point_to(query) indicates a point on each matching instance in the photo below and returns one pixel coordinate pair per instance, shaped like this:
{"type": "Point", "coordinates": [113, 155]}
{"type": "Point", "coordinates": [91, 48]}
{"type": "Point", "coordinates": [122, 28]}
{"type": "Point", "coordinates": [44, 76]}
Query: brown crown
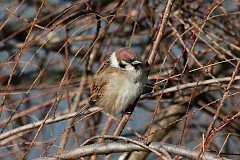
{"type": "Point", "coordinates": [126, 53]}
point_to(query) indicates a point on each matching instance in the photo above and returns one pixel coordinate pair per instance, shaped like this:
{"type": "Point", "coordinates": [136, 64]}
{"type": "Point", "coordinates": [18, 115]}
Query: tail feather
{"type": "Point", "coordinates": [86, 109]}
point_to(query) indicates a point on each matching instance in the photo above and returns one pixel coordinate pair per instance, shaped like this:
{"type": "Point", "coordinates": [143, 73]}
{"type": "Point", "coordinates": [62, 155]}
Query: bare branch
{"type": "Point", "coordinates": [118, 147]}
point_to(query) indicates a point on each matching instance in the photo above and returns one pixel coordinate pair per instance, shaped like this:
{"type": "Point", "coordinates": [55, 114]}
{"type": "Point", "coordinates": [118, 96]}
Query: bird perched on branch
{"type": "Point", "coordinates": [118, 82]}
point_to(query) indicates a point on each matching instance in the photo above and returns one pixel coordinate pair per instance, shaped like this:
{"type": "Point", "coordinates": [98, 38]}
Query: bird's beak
{"type": "Point", "coordinates": [134, 63]}
{"type": "Point", "coordinates": [137, 64]}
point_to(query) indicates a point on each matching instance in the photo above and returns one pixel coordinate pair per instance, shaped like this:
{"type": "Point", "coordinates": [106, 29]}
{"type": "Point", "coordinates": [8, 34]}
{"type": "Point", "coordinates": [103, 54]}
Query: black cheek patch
{"type": "Point", "coordinates": [122, 65]}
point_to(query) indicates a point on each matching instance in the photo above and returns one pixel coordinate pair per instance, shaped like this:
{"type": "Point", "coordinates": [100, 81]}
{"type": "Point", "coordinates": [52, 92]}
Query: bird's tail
{"type": "Point", "coordinates": [88, 109]}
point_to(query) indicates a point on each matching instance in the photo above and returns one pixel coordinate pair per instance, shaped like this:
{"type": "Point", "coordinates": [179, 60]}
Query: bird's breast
{"type": "Point", "coordinates": [120, 93]}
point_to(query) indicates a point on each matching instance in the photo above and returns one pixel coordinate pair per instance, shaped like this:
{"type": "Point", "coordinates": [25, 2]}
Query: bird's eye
{"type": "Point", "coordinates": [122, 65]}
{"type": "Point", "coordinates": [128, 60]}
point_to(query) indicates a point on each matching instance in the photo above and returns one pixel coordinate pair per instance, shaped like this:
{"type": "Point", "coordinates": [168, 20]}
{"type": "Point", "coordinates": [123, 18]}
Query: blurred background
{"type": "Point", "coordinates": [50, 49]}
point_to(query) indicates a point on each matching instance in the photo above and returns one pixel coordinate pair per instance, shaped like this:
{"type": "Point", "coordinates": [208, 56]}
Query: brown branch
{"type": "Point", "coordinates": [187, 85]}
{"type": "Point", "coordinates": [162, 26]}
{"type": "Point", "coordinates": [118, 147]}
{"type": "Point", "coordinates": [210, 127]}
{"type": "Point", "coordinates": [74, 108]}
{"type": "Point", "coordinates": [46, 122]}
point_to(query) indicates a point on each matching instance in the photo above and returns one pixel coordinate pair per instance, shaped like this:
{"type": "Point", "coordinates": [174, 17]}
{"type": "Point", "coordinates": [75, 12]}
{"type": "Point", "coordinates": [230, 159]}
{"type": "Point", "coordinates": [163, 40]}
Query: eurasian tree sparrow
{"type": "Point", "coordinates": [118, 82]}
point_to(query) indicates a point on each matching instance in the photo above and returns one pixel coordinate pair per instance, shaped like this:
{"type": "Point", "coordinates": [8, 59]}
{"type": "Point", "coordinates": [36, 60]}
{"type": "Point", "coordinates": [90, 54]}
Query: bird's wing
{"type": "Point", "coordinates": [99, 83]}
{"type": "Point", "coordinates": [103, 67]}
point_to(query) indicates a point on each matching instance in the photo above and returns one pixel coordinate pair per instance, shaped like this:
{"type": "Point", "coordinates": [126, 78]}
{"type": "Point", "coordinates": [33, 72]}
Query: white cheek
{"type": "Point", "coordinates": [129, 67]}
{"type": "Point", "coordinates": [113, 60]}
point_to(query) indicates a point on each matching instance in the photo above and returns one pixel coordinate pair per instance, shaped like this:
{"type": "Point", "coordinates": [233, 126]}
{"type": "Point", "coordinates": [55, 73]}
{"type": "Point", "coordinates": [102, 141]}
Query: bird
{"type": "Point", "coordinates": [118, 82]}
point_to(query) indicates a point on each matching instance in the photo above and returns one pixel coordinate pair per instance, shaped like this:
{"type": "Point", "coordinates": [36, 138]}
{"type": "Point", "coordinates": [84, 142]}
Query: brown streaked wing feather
{"type": "Point", "coordinates": [97, 93]}
{"type": "Point", "coordinates": [98, 88]}
{"type": "Point", "coordinates": [104, 65]}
